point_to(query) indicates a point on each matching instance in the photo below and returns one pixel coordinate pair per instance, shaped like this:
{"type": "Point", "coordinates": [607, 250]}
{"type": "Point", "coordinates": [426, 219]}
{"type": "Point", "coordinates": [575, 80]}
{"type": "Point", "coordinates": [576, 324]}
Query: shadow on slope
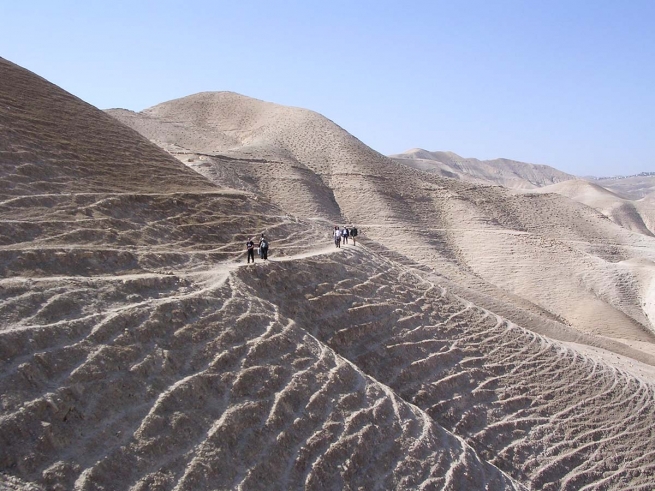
{"type": "Point", "coordinates": [52, 142]}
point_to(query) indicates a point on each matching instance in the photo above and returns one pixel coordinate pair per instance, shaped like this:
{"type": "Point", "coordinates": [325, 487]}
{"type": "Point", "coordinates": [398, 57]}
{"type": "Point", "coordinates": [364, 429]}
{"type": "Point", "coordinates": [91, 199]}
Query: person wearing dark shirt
{"type": "Point", "coordinates": [250, 246]}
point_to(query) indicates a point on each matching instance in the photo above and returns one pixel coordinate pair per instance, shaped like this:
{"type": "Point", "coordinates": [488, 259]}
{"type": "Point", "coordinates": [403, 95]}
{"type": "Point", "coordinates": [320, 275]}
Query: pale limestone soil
{"type": "Point", "coordinates": [196, 383]}
{"type": "Point", "coordinates": [503, 172]}
{"type": "Point", "coordinates": [635, 215]}
{"type": "Point", "coordinates": [556, 257]}
{"type": "Point", "coordinates": [104, 234]}
{"type": "Point", "coordinates": [525, 256]}
{"type": "Point", "coordinates": [53, 142]}
{"type": "Point", "coordinates": [545, 413]}
{"type": "Point", "coordinates": [133, 356]}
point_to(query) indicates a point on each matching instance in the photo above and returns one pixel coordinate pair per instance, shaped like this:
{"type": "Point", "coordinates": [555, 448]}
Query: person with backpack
{"type": "Point", "coordinates": [263, 248]}
{"type": "Point", "coordinates": [353, 233]}
{"type": "Point", "coordinates": [250, 247]}
{"type": "Point", "coordinates": [259, 247]}
{"type": "Point", "coordinates": [344, 234]}
{"type": "Point", "coordinates": [337, 236]}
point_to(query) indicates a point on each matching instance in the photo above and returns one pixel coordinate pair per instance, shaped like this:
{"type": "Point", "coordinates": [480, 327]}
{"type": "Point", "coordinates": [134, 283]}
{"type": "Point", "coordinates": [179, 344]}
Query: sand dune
{"type": "Point", "coordinates": [503, 172]}
{"type": "Point", "coordinates": [139, 351]}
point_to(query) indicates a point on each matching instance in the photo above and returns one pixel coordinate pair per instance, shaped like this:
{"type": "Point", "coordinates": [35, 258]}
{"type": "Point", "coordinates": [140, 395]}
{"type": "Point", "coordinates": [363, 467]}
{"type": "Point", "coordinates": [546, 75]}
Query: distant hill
{"type": "Point", "coordinates": [635, 215]}
{"type": "Point", "coordinates": [640, 174]}
{"type": "Point", "coordinates": [630, 187]}
{"type": "Point", "coordinates": [503, 172]}
{"type": "Point", "coordinates": [614, 197]}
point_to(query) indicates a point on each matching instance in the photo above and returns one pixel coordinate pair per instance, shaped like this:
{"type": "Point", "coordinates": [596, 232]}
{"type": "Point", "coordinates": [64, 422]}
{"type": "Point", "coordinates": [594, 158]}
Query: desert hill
{"type": "Point", "coordinates": [492, 245]}
{"type": "Point", "coordinates": [637, 215]}
{"type": "Point", "coordinates": [51, 141]}
{"type": "Point", "coordinates": [121, 298]}
{"type": "Point", "coordinates": [139, 351]}
{"type": "Point", "coordinates": [623, 208]}
{"type": "Point", "coordinates": [289, 154]}
{"type": "Point", "coordinates": [503, 172]}
{"type": "Point", "coordinates": [630, 187]}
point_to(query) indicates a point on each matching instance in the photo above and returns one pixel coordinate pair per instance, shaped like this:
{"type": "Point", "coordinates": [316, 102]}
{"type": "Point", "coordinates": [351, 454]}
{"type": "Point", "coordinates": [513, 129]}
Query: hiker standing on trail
{"type": "Point", "coordinates": [250, 247]}
{"type": "Point", "coordinates": [337, 236]}
{"type": "Point", "coordinates": [263, 248]}
{"type": "Point", "coordinates": [353, 233]}
{"type": "Point", "coordinates": [344, 235]}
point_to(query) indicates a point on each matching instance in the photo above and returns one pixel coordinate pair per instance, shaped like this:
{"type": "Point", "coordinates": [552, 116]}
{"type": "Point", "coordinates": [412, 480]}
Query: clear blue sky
{"type": "Point", "coordinates": [568, 83]}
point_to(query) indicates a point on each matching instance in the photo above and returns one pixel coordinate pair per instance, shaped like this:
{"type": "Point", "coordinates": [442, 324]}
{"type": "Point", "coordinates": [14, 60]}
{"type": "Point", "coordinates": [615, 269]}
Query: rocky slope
{"type": "Point", "coordinates": [51, 141]}
{"type": "Point", "coordinates": [139, 351]}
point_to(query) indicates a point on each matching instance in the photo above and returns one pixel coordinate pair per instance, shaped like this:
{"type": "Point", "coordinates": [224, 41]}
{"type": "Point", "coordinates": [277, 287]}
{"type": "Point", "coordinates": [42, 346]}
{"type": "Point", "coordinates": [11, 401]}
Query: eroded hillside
{"type": "Point", "coordinates": [528, 257]}
{"type": "Point", "coordinates": [53, 142]}
{"type": "Point", "coordinates": [139, 351]}
{"type": "Point", "coordinates": [636, 215]}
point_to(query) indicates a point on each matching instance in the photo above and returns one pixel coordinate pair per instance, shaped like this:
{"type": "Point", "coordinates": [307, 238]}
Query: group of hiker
{"type": "Point", "coordinates": [262, 249]}
{"type": "Point", "coordinates": [342, 234]}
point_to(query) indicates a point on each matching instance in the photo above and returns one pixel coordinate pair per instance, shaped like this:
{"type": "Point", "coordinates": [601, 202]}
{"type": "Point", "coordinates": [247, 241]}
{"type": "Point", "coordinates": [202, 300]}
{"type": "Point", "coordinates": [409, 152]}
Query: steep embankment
{"type": "Point", "coordinates": [53, 142]}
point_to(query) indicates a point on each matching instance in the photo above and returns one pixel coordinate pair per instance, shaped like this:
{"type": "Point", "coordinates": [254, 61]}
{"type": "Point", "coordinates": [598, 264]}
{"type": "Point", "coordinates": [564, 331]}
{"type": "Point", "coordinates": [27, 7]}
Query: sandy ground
{"type": "Point", "coordinates": [464, 343]}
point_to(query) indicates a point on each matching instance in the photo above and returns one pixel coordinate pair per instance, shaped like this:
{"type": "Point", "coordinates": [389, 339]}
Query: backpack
{"type": "Point", "coordinates": [264, 244]}
{"type": "Point", "coordinates": [353, 232]}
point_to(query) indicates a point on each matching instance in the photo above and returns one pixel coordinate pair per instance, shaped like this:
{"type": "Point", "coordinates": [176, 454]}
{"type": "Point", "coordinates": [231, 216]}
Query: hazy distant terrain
{"type": "Point", "coordinates": [502, 172]}
{"type": "Point", "coordinates": [627, 208]}
{"type": "Point", "coordinates": [631, 187]}
{"type": "Point", "coordinates": [635, 215]}
{"type": "Point", "coordinates": [475, 338]}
